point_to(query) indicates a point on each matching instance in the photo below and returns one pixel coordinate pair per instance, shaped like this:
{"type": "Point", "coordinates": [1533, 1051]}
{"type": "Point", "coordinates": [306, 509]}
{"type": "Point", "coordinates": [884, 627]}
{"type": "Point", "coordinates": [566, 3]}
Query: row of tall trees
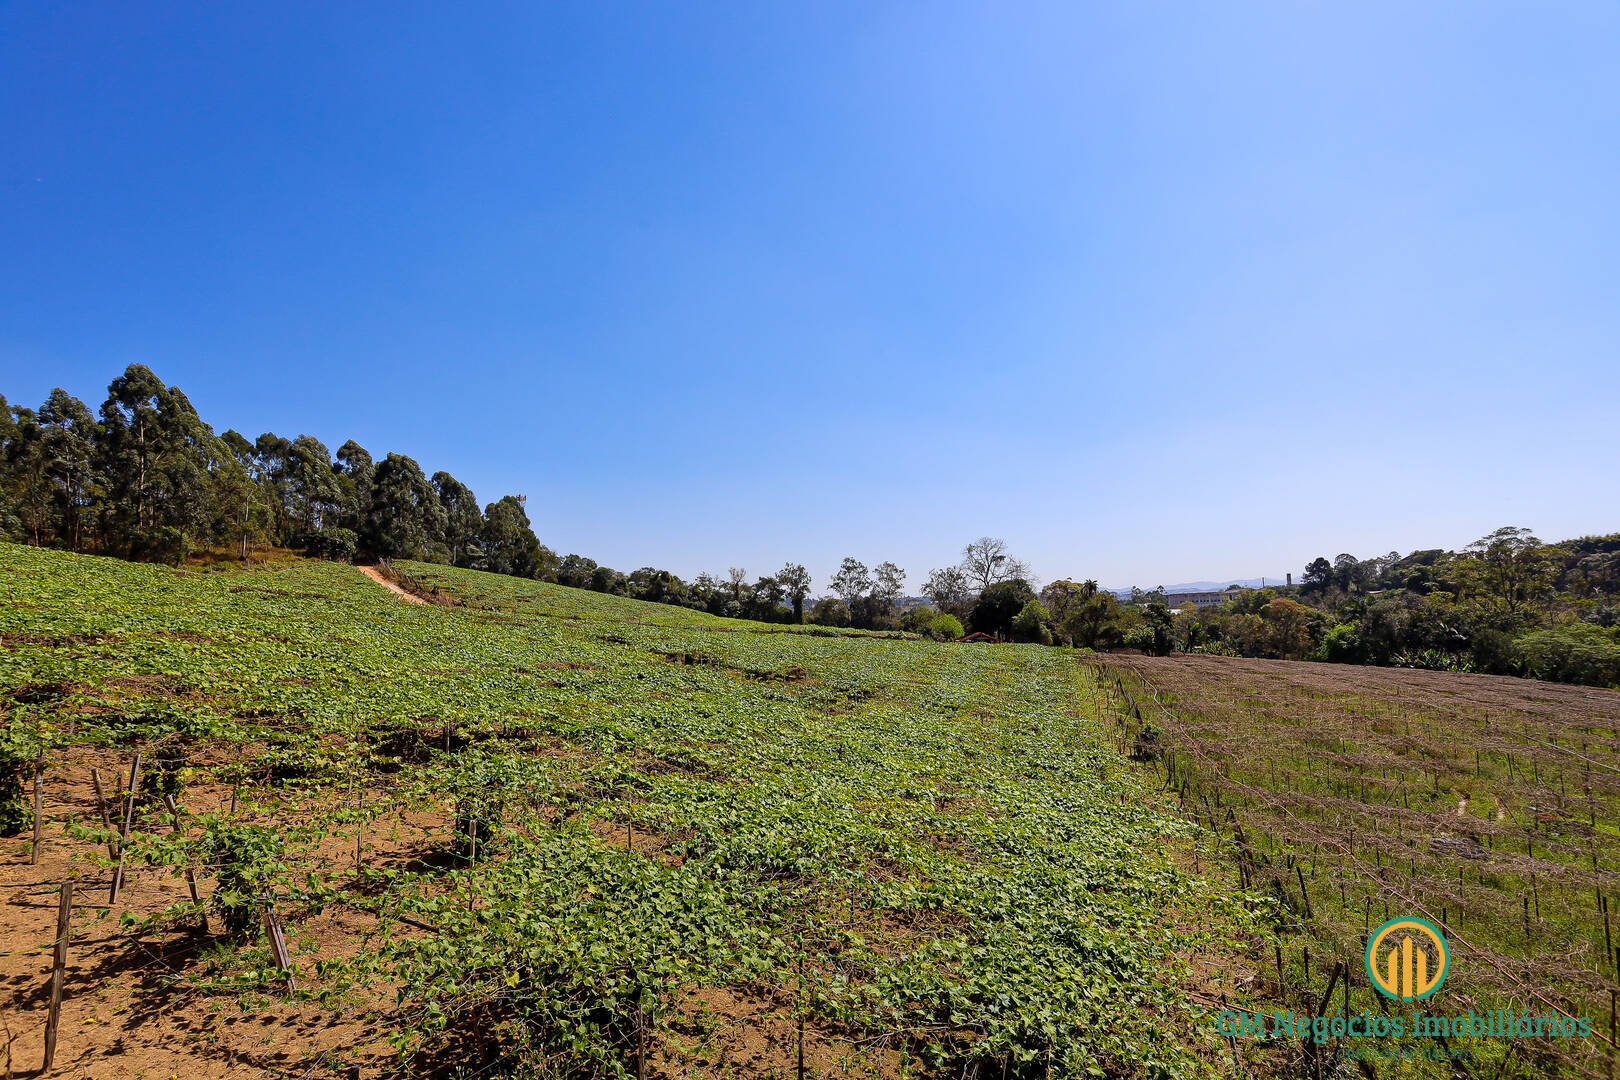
{"type": "Point", "coordinates": [147, 478]}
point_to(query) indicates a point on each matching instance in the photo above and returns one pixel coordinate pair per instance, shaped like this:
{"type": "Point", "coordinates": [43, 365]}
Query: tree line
{"type": "Point", "coordinates": [1507, 604]}
{"type": "Point", "coordinates": [146, 478]}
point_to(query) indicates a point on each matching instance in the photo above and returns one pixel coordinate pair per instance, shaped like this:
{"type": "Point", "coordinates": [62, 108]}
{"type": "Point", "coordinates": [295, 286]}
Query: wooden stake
{"type": "Point", "coordinates": [106, 821]}
{"type": "Point", "coordinates": [191, 873]}
{"type": "Point", "coordinates": [278, 943]}
{"type": "Point", "coordinates": [39, 806]}
{"type": "Point", "coordinates": [64, 914]}
{"type": "Point", "coordinates": [641, 1043]}
{"type": "Point", "coordinates": [129, 823]}
{"type": "Point", "coordinates": [1611, 1032]}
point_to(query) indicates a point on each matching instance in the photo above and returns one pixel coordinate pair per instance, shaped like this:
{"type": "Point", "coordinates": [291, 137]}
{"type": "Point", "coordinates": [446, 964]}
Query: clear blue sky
{"type": "Point", "coordinates": [1157, 292]}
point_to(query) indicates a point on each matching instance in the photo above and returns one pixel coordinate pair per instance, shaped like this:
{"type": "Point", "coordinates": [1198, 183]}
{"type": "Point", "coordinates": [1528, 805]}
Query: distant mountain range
{"type": "Point", "coordinates": [1210, 586]}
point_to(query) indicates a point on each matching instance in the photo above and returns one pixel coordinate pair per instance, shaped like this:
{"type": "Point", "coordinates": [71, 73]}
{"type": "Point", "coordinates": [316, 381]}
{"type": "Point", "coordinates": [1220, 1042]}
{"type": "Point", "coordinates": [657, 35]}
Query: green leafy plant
{"type": "Point", "coordinates": [247, 859]}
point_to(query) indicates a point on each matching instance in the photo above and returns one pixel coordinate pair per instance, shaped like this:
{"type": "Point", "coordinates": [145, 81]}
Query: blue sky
{"type": "Point", "coordinates": [1156, 292]}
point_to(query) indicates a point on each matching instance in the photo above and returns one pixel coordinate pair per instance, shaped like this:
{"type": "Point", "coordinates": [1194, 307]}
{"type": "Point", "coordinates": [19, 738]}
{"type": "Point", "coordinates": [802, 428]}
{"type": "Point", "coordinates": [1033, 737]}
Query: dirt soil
{"type": "Point", "coordinates": [126, 1011]}
{"type": "Point", "coordinates": [376, 575]}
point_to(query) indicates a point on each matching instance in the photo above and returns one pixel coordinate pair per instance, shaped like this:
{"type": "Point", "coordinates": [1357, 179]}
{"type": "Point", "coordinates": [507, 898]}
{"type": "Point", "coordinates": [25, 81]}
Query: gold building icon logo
{"type": "Point", "coordinates": [1407, 959]}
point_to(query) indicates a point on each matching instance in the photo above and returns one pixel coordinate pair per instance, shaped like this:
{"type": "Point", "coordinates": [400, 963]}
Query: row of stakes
{"type": "Point", "coordinates": [117, 848]}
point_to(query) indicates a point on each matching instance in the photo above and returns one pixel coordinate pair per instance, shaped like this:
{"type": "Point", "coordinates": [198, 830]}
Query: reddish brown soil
{"type": "Point", "coordinates": [127, 1010]}
{"type": "Point", "coordinates": [376, 575]}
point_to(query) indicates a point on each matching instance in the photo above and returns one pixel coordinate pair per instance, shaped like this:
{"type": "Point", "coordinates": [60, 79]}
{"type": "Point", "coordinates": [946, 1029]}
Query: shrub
{"type": "Point", "coordinates": [917, 619]}
{"type": "Point", "coordinates": [438, 554]}
{"type": "Point", "coordinates": [999, 605]}
{"type": "Point", "coordinates": [165, 772]}
{"type": "Point", "coordinates": [1342, 645]}
{"type": "Point", "coordinates": [1579, 654]}
{"type": "Point", "coordinates": [339, 544]}
{"type": "Point", "coordinates": [247, 858]}
{"type": "Point", "coordinates": [15, 757]}
{"type": "Point", "coordinates": [1493, 652]}
{"type": "Point", "coordinates": [944, 627]}
{"type": "Point", "coordinates": [1030, 624]}
{"type": "Point", "coordinates": [1139, 637]}
{"type": "Point", "coordinates": [830, 612]}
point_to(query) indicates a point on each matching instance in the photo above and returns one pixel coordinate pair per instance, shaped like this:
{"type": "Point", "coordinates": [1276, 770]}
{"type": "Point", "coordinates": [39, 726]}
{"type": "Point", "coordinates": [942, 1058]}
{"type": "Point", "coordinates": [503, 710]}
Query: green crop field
{"type": "Point", "coordinates": [543, 831]}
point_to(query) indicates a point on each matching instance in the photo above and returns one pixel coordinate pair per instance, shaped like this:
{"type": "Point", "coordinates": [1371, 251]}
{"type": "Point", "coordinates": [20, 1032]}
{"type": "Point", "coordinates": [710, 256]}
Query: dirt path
{"type": "Point", "coordinates": [375, 575]}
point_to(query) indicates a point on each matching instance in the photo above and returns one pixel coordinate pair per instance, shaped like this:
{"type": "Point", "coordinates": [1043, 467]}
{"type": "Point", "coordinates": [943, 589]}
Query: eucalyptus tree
{"type": "Point", "coordinates": [949, 590]}
{"type": "Point", "coordinates": [8, 433]}
{"type": "Point", "coordinates": [355, 464]}
{"type": "Point", "coordinates": [795, 582]}
{"type": "Point", "coordinates": [852, 581]}
{"type": "Point", "coordinates": [316, 497]}
{"type": "Point", "coordinates": [405, 514]}
{"type": "Point", "coordinates": [69, 433]}
{"type": "Point", "coordinates": [27, 476]}
{"type": "Point", "coordinates": [156, 454]}
{"type": "Point", "coordinates": [507, 544]}
{"type": "Point", "coordinates": [241, 497]}
{"type": "Point", "coordinates": [888, 582]}
{"type": "Point", "coordinates": [463, 521]}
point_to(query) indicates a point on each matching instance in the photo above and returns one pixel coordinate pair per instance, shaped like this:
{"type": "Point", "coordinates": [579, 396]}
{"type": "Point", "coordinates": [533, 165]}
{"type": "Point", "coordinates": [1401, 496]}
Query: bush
{"type": "Point", "coordinates": [1493, 652]}
{"type": "Point", "coordinates": [339, 544]}
{"type": "Point", "coordinates": [164, 544]}
{"type": "Point", "coordinates": [1342, 646]}
{"type": "Point", "coordinates": [944, 627]}
{"type": "Point", "coordinates": [999, 605]}
{"type": "Point", "coordinates": [438, 554]}
{"type": "Point", "coordinates": [1030, 624]}
{"type": "Point", "coordinates": [917, 619]}
{"type": "Point", "coordinates": [830, 612]}
{"type": "Point", "coordinates": [1139, 637]}
{"type": "Point", "coordinates": [16, 756]}
{"type": "Point", "coordinates": [1578, 654]}
{"type": "Point", "coordinates": [247, 858]}
{"type": "Point", "coordinates": [165, 773]}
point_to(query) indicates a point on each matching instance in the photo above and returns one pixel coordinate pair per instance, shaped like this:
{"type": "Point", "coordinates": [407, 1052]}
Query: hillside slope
{"type": "Point", "coordinates": [555, 828]}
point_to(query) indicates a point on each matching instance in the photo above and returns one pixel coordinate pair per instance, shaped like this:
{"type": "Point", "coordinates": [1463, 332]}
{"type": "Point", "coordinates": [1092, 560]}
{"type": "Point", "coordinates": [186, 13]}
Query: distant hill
{"type": "Point", "coordinates": [1210, 586]}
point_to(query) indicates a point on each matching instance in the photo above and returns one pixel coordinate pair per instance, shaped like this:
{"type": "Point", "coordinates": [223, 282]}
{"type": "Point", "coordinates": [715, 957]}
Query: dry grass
{"type": "Point", "coordinates": [1487, 804]}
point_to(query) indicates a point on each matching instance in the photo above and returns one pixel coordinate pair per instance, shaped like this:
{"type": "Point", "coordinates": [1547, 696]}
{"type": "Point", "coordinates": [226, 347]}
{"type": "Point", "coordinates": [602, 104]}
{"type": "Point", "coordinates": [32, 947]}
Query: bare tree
{"type": "Point", "coordinates": [1018, 568]}
{"type": "Point", "coordinates": [738, 577]}
{"type": "Point", "coordinates": [985, 562]}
